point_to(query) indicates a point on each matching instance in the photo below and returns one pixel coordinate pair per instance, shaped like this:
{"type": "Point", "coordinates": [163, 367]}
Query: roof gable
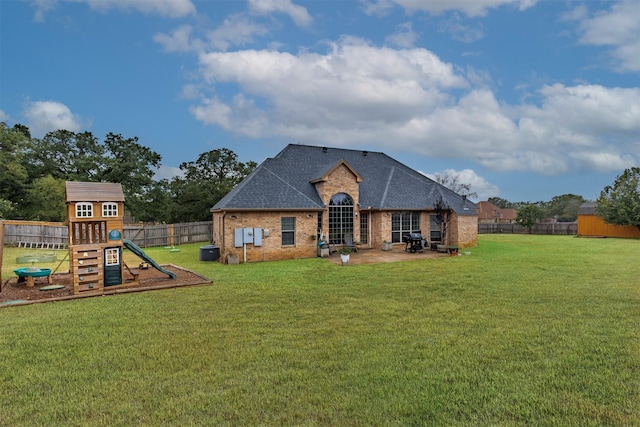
{"type": "Point", "coordinates": [327, 170]}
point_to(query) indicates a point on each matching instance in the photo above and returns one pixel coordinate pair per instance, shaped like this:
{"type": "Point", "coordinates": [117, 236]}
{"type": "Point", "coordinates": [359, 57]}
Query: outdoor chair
{"type": "Point", "coordinates": [348, 242]}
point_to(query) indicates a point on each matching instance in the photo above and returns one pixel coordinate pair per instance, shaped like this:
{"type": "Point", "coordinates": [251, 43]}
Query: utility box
{"type": "Point", "coordinates": [209, 253]}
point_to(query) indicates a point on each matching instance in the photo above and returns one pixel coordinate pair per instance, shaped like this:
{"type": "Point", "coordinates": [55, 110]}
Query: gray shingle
{"type": "Point", "coordinates": [284, 182]}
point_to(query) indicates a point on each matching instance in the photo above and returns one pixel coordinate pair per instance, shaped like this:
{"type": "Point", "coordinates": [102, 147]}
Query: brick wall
{"type": "Point", "coordinates": [270, 222]}
{"type": "Point", "coordinates": [463, 230]}
{"type": "Point", "coordinates": [342, 179]}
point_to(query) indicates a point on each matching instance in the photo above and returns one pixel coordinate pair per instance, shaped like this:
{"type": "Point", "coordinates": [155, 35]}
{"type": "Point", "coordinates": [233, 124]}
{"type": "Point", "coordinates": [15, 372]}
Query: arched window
{"type": "Point", "coordinates": [340, 217]}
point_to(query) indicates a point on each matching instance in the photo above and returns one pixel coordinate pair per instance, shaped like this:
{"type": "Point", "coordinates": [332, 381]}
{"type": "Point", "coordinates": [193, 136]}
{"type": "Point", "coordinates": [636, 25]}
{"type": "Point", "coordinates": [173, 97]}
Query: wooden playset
{"type": "Point", "coordinates": [95, 212]}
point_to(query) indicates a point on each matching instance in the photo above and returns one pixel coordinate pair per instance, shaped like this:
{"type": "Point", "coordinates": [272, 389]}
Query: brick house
{"type": "Point", "coordinates": [488, 213]}
{"type": "Point", "coordinates": [307, 193]}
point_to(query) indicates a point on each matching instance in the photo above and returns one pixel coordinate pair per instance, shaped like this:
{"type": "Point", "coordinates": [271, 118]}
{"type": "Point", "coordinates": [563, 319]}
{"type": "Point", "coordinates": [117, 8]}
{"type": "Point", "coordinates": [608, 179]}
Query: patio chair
{"type": "Point", "coordinates": [348, 242]}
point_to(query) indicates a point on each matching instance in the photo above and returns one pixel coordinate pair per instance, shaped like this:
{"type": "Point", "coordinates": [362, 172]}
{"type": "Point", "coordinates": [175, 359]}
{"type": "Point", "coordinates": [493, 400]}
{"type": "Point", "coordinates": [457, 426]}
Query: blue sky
{"type": "Point", "coordinates": [524, 100]}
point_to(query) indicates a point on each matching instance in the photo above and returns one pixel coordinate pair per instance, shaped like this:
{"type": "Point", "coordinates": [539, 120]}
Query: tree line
{"type": "Point", "coordinates": [562, 208]}
{"type": "Point", "coordinates": [617, 204]}
{"type": "Point", "coordinates": [33, 172]}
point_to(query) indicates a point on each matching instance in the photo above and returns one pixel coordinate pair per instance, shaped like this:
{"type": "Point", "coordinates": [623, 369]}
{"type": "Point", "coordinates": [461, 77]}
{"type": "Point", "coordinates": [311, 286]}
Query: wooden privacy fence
{"type": "Point", "coordinates": [570, 228]}
{"type": "Point", "coordinates": [55, 235]}
{"type": "Point", "coordinates": [36, 234]}
{"type": "Point", "coordinates": [169, 234]}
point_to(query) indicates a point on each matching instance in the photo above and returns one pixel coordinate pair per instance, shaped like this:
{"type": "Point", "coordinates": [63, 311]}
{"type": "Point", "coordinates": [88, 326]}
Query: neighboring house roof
{"type": "Point", "coordinates": [587, 208]}
{"type": "Point", "coordinates": [94, 192]}
{"type": "Point", "coordinates": [487, 210]}
{"type": "Point", "coordinates": [287, 182]}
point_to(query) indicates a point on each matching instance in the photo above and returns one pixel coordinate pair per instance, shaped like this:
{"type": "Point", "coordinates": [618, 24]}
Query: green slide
{"type": "Point", "coordinates": [140, 253]}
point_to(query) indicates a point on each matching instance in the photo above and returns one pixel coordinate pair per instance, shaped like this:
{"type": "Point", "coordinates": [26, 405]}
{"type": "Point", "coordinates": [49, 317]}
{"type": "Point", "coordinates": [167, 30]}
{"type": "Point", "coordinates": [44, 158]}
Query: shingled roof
{"type": "Point", "coordinates": [94, 192]}
{"type": "Point", "coordinates": [587, 208]}
{"type": "Point", "coordinates": [285, 182]}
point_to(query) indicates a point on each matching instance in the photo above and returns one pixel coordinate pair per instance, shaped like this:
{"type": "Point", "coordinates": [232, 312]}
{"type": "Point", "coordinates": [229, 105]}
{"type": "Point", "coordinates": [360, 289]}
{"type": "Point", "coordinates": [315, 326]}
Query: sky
{"type": "Point", "coordinates": [522, 100]}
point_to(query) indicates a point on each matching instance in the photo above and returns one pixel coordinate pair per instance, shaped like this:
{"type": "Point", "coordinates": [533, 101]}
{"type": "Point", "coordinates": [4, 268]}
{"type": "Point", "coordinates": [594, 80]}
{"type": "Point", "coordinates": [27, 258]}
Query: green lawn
{"type": "Point", "coordinates": [527, 330]}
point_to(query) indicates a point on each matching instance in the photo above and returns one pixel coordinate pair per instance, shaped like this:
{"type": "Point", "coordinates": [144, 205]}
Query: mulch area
{"type": "Point", "coordinates": [14, 293]}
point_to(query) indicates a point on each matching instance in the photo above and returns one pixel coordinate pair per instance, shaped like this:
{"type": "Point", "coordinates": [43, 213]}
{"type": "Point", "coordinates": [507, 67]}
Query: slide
{"type": "Point", "coordinates": [140, 253]}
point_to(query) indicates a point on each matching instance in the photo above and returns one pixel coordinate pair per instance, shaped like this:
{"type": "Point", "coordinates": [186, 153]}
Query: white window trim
{"type": "Point", "coordinates": [84, 213]}
{"type": "Point", "coordinates": [108, 253]}
{"type": "Point", "coordinates": [292, 231]}
{"type": "Point", "coordinates": [112, 212]}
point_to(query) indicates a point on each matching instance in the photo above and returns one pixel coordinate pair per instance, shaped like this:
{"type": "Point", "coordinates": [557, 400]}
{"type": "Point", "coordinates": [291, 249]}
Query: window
{"type": "Point", "coordinates": [364, 227]}
{"type": "Point", "coordinates": [288, 225]}
{"type": "Point", "coordinates": [84, 210]}
{"type": "Point", "coordinates": [340, 218]}
{"type": "Point", "coordinates": [434, 226]}
{"type": "Point", "coordinates": [404, 223]}
{"type": "Point", "coordinates": [112, 256]}
{"type": "Point", "coordinates": [109, 209]}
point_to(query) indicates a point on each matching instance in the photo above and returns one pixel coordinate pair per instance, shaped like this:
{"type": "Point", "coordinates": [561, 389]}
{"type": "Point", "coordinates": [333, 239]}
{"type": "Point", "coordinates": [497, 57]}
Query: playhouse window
{"type": "Point", "coordinates": [88, 232]}
{"type": "Point", "coordinates": [109, 209]}
{"type": "Point", "coordinates": [288, 231]}
{"type": "Point", "coordinates": [84, 210]}
{"type": "Point", "coordinates": [112, 256]}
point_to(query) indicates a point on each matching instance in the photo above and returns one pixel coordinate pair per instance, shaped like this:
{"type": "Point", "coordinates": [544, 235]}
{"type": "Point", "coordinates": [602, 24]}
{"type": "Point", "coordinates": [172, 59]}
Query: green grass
{"type": "Point", "coordinates": [527, 330]}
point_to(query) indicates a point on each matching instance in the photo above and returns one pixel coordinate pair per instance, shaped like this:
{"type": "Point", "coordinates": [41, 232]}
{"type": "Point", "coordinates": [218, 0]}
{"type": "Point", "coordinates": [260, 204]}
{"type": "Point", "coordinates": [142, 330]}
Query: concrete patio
{"type": "Point", "coordinates": [373, 256]}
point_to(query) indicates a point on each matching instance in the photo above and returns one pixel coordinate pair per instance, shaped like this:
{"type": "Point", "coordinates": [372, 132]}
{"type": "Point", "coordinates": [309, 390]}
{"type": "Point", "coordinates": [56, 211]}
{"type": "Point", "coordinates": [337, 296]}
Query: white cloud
{"type": "Point", "coordinates": [42, 8]}
{"type": "Point", "coordinates": [190, 91]}
{"type": "Point", "coordinates": [356, 94]}
{"type": "Point", "coordinates": [345, 91]}
{"type": "Point", "coordinates": [618, 27]}
{"type": "Point", "coordinates": [3, 116]}
{"type": "Point", "coordinates": [47, 116]}
{"type": "Point", "coordinates": [483, 188]}
{"type": "Point", "coordinates": [169, 8]}
{"type": "Point", "coordinates": [236, 30]}
{"type": "Point", "coordinates": [298, 14]}
{"type": "Point", "coordinates": [179, 40]}
{"type": "Point", "coordinates": [470, 8]}
{"type": "Point", "coordinates": [377, 7]}
{"type": "Point", "coordinates": [462, 32]}
{"type": "Point", "coordinates": [603, 161]}
{"type": "Point", "coordinates": [404, 37]}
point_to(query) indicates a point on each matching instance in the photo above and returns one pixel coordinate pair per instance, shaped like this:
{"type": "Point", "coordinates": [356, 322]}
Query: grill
{"type": "Point", "coordinates": [414, 242]}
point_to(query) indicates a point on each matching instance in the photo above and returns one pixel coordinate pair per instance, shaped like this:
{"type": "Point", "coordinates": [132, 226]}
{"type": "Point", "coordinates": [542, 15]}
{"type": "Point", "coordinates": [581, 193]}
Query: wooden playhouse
{"type": "Point", "coordinates": [95, 212]}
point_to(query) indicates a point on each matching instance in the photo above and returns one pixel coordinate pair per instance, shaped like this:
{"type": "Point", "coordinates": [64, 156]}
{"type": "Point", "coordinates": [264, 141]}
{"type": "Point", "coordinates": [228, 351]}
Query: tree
{"type": "Point", "coordinates": [529, 215]}
{"type": "Point", "coordinates": [451, 180]}
{"type": "Point", "coordinates": [157, 204]}
{"type": "Point", "coordinates": [619, 204]}
{"type": "Point", "coordinates": [6, 208]}
{"type": "Point", "coordinates": [13, 173]}
{"type": "Point", "coordinates": [501, 203]}
{"type": "Point", "coordinates": [67, 155]}
{"type": "Point", "coordinates": [443, 214]}
{"type": "Point", "coordinates": [45, 200]}
{"type": "Point", "coordinates": [564, 208]}
{"type": "Point", "coordinates": [205, 182]}
{"type": "Point", "coordinates": [133, 165]}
